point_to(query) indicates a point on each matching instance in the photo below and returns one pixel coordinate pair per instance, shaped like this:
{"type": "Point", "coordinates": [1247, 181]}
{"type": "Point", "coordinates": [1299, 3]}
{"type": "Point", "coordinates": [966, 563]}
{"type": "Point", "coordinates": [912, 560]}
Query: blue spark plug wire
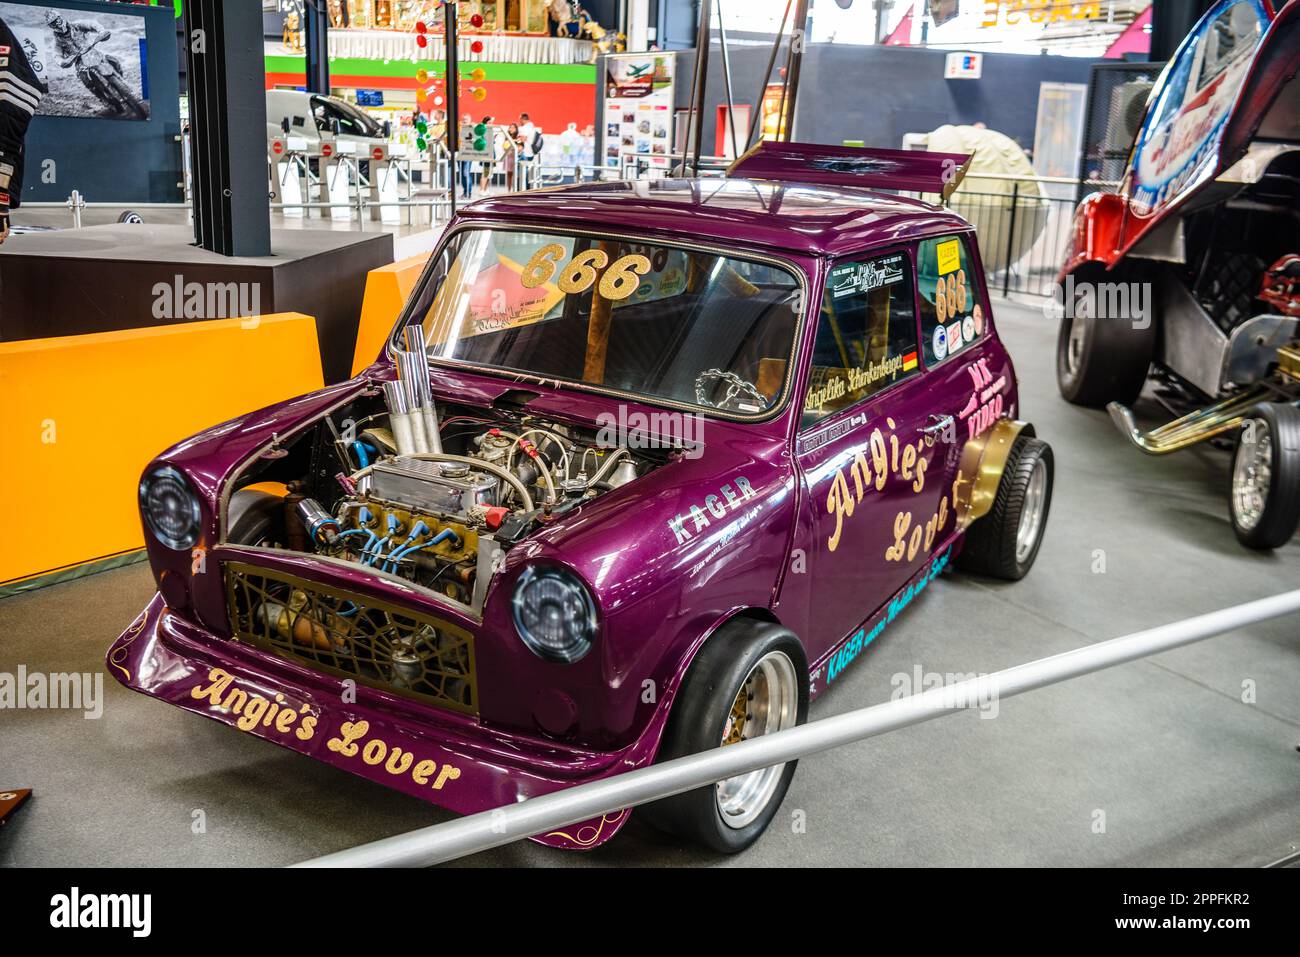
{"type": "Point", "coordinates": [420, 529]}
{"type": "Point", "coordinates": [399, 554]}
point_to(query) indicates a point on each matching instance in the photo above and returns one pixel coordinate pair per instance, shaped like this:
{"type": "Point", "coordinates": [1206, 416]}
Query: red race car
{"type": "Point", "coordinates": [1190, 273]}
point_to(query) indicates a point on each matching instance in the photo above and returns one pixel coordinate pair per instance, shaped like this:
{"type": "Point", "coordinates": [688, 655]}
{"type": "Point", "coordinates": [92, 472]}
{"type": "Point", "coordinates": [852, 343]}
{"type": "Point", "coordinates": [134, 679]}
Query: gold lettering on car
{"type": "Point", "coordinates": [352, 741]}
{"type": "Point", "coordinates": [396, 761]}
{"type": "Point", "coordinates": [584, 270]}
{"type": "Point", "coordinates": [885, 457]}
{"type": "Point", "coordinates": [255, 709]}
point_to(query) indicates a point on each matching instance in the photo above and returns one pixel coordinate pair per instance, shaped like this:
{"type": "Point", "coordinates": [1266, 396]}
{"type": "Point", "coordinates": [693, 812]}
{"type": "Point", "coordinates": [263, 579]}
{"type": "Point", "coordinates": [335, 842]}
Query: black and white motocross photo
{"type": "Point", "coordinates": [93, 63]}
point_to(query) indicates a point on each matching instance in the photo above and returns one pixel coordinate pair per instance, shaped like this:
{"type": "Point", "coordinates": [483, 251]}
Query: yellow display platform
{"type": "Point", "coordinates": [387, 289]}
{"type": "Point", "coordinates": [82, 415]}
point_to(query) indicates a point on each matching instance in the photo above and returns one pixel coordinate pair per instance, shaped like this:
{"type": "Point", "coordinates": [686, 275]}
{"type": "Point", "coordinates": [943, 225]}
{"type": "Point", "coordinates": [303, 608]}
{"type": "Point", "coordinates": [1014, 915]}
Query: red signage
{"type": "Point", "coordinates": [277, 147]}
{"type": "Point", "coordinates": [377, 153]}
{"type": "Point", "coordinates": [326, 149]}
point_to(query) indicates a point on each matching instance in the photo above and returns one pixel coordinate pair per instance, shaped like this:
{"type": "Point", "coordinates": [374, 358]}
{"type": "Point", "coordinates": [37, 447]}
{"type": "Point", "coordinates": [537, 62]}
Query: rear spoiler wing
{"type": "Point", "coordinates": [913, 170]}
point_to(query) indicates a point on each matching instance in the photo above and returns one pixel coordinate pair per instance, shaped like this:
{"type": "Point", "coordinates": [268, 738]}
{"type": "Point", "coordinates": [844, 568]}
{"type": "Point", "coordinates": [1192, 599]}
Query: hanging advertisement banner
{"type": "Point", "coordinates": [638, 113]}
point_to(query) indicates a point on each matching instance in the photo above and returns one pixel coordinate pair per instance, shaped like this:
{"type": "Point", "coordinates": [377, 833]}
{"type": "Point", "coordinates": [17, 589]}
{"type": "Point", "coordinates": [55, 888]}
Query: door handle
{"type": "Point", "coordinates": [938, 423]}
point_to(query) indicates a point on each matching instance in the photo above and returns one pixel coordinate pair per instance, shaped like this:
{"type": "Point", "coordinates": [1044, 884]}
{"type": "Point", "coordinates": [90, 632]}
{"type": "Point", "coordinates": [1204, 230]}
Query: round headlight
{"type": "Point", "coordinates": [554, 614]}
{"type": "Point", "coordinates": [170, 509]}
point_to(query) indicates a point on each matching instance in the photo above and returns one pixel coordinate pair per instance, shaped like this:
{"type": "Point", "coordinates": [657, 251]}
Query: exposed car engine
{"type": "Point", "coordinates": [431, 493]}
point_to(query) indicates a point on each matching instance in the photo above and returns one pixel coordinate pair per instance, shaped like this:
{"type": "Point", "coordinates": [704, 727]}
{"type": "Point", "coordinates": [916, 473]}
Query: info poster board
{"type": "Point", "coordinates": [105, 53]}
{"type": "Point", "coordinates": [638, 112]}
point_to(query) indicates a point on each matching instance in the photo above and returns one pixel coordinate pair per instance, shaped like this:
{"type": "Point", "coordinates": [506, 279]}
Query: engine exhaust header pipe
{"type": "Point", "coordinates": [413, 375]}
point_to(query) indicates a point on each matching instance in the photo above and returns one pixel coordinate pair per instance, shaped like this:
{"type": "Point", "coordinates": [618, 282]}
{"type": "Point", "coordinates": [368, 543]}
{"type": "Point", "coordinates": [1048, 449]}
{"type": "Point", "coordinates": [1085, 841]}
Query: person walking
{"type": "Point", "coordinates": [494, 154]}
{"type": "Point", "coordinates": [466, 166]}
{"type": "Point", "coordinates": [531, 136]}
{"type": "Point", "coordinates": [513, 145]}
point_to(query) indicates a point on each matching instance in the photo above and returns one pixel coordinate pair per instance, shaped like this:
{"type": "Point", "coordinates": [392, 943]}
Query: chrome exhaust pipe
{"type": "Point", "coordinates": [1198, 426]}
{"type": "Point", "coordinates": [413, 369]}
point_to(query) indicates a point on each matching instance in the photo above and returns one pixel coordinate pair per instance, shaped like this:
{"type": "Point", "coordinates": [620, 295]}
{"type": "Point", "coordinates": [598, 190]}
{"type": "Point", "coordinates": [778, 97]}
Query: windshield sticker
{"type": "Point", "coordinates": [948, 256]}
{"type": "Point", "coordinates": [666, 278]}
{"type": "Point", "coordinates": [955, 341]}
{"type": "Point", "coordinates": [499, 300]}
{"type": "Point", "coordinates": [617, 280]}
{"type": "Point", "coordinates": [950, 296]}
{"type": "Point", "coordinates": [939, 343]}
{"type": "Point", "coordinates": [489, 284]}
{"type": "Point", "coordinates": [856, 278]}
{"type": "Point", "coordinates": [840, 384]}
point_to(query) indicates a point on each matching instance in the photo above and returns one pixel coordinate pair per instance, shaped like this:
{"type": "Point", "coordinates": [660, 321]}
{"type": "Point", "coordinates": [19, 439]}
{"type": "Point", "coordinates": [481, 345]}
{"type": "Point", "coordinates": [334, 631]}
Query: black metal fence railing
{"type": "Point", "coordinates": [1023, 227]}
{"type": "Point", "coordinates": [1023, 238]}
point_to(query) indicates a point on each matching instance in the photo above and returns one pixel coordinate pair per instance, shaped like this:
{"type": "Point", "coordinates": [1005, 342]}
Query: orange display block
{"type": "Point", "coordinates": [81, 416]}
{"type": "Point", "coordinates": [387, 289]}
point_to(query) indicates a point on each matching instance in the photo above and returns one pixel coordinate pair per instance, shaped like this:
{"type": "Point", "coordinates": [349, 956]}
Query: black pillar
{"type": "Point", "coordinates": [451, 33]}
{"type": "Point", "coordinates": [1171, 20]}
{"type": "Point", "coordinates": [316, 27]}
{"type": "Point", "coordinates": [703, 40]}
{"type": "Point", "coordinates": [798, 43]}
{"type": "Point", "coordinates": [227, 91]}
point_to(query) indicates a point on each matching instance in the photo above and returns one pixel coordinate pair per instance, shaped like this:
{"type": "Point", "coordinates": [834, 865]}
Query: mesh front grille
{"type": "Point", "coordinates": [352, 636]}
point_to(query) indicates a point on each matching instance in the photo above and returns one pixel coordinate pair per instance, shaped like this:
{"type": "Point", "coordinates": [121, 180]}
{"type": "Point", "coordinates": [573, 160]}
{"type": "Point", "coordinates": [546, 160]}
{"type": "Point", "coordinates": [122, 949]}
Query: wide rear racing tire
{"type": "Point", "coordinates": [1102, 359]}
{"type": "Point", "coordinates": [1005, 542]}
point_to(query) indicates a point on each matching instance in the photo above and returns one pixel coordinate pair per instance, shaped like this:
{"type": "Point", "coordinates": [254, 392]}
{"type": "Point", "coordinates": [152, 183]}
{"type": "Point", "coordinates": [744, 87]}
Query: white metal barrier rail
{"type": "Point", "coordinates": [433, 199]}
{"type": "Point", "coordinates": [488, 829]}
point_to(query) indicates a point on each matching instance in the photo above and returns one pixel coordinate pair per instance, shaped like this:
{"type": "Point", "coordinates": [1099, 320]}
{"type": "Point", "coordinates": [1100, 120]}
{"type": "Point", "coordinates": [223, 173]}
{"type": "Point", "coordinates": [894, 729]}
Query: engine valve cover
{"type": "Point", "coordinates": [444, 488]}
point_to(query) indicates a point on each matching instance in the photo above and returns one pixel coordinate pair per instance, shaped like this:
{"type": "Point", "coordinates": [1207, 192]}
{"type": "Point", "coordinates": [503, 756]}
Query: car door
{"type": "Point", "coordinates": [873, 508]}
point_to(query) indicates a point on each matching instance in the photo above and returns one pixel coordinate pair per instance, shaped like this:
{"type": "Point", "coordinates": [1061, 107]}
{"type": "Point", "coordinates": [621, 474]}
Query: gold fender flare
{"type": "Point", "coordinates": [983, 459]}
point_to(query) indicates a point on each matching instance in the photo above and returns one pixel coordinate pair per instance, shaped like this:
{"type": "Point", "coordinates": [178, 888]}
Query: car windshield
{"type": "Point", "coordinates": [659, 322]}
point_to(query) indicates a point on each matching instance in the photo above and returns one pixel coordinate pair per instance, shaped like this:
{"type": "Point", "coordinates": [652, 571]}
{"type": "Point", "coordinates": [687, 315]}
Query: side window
{"type": "Point", "coordinates": [951, 315]}
{"type": "Point", "coordinates": [866, 334]}
{"type": "Point", "coordinates": [322, 114]}
{"type": "Point", "coordinates": [326, 112]}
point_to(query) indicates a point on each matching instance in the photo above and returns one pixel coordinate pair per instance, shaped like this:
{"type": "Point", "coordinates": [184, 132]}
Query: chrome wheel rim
{"type": "Point", "coordinates": [1252, 473]}
{"type": "Point", "coordinates": [1074, 345]}
{"type": "Point", "coordinates": [1031, 516]}
{"type": "Point", "coordinates": [768, 701]}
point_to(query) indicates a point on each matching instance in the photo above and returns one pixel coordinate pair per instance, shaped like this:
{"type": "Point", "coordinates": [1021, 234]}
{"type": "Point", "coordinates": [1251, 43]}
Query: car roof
{"type": "Point", "coordinates": [794, 217]}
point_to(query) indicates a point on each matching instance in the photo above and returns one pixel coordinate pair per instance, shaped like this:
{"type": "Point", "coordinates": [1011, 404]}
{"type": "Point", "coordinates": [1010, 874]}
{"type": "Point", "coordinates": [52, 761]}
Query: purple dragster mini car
{"type": "Point", "coordinates": [643, 468]}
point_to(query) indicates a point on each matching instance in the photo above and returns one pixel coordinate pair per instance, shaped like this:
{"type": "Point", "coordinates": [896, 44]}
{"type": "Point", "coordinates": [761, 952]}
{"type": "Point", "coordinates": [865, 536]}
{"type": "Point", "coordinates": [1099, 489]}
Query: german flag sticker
{"type": "Point", "coordinates": [909, 361]}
